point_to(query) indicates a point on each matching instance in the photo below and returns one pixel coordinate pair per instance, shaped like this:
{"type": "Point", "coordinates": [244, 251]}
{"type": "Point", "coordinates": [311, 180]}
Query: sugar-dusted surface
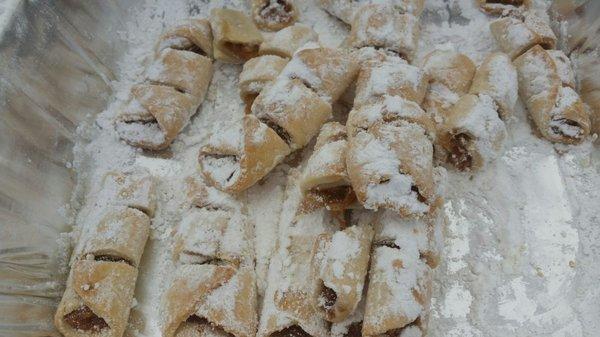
{"type": "Point", "coordinates": [521, 241]}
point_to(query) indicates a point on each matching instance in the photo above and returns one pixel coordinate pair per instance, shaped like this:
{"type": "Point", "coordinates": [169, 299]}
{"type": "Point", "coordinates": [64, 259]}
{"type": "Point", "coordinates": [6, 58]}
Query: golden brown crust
{"type": "Point", "coordinates": [274, 15]}
{"type": "Point", "coordinates": [236, 38]}
{"type": "Point", "coordinates": [192, 35]}
{"type": "Point", "coordinates": [257, 152]}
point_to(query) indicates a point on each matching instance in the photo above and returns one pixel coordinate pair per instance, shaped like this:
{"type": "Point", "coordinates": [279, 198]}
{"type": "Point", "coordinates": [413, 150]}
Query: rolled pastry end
{"type": "Point", "coordinates": [194, 35]}
{"type": "Point", "coordinates": [569, 122]}
{"type": "Point", "coordinates": [274, 14]}
{"type": "Point", "coordinates": [235, 166]}
{"type": "Point", "coordinates": [256, 74]}
{"type": "Point", "coordinates": [236, 38]}
{"type": "Point", "coordinates": [287, 41]}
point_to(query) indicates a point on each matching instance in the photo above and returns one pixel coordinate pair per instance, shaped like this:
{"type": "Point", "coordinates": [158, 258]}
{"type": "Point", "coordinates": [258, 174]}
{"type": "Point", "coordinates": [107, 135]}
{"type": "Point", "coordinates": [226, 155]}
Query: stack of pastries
{"type": "Point", "coordinates": [357, 238]}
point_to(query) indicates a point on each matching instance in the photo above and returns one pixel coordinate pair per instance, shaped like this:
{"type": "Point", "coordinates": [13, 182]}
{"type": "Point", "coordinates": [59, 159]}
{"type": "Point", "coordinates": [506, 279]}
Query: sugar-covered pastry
{"type": "Point", "coordinates": [326, 71]}
{"type": "Point", "coordinates": [473, 134]}
{"type": "Point", "coordinates": [504, 7]}
{"type": "Point", "coordinates": [193, 35]}
{"type": "Point", "coordinates": [556, 110]}
{"type": "Point", "coordinates": [517, 35]}
{"type": "Point", "coordinates": [287, 41]}
{"type": "Point", "coordinates": [497, 77]}
{"type": "Point", "coordinates": [391, 76]}
{"type": "Point", "coordinates": [274, 14]}
{"type": "Point", "coordinates": [256, 74]}
{"type": "Point", "coordinates": [236, 38]}
{"type": "Point", "coordinates": [379, 25]}
{"type": "Point", "coordinates": [292, 110]}
{"type": "Point", "coordinates": [135, 189]}
{"type": "Point", "coordinates": [240, 154]}
{"type": "Point", "coordinates": [340, 261]}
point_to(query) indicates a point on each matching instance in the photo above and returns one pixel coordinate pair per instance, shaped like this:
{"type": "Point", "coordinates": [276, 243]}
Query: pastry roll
{"type": "Point", "coordinates": [326, 71]}
{"type": "Point", "coordinates": [288, 309]}
{"type": "Point", "coordinates": [393, 77]}
{"type": "Point", "coordinates": [97, 299]}
{"type": "Point", "coordinates": [564, 68]}
{"type": "Point", "coordinates": [193, 35]}
{"type": "Point", "coordinates": [391, 166]}
{"type": "Point", "coordinates": [341, 9]}
{"type": "Point", "coordinates": [556, 110]}
{"type": "Point", "coordinates": [274, 14]}
{"type": "Point", "coordinates": [400, 279]}
{"type": "Point", "coordinates": [497, 77]}
{"type": "Point", "coordinates": [287, 41]}
{"type": "Point", "coordinates": [387, 109]}
{"type": "Point", "coordinates": [503, 7]}
{"type": "Point", "coordinates": [190, 286]}
{"type": "Point", "coordinates": [256, 74]}
{"type": "Point", "coordinates": [183, 70]}
{"type": "Point", "coordinates": [154, 116]}
{"type": "Point", "coordinates": [241, 154]}
{"type": "Point", "coordinates": [119, 235]}
{"type": "Point", "coordinates": [473, 134]}
{"type": "Point", "coordinates": [292, 110]}
{"type": "Point", "coordinates": [236, 38]}
{"type": "Point", "coordinates": [341, 261]}
{"type": "Point", "coordinates": [135, 189]}
{"type": "Point", "coordinates": [379, 26]}
{"type": "Point", "coordinates": [516, 36]}
{"type": "Point", "coordinates": [324, 176]}
{"type": "Point", "coordinates": [451, 69]}
{"type": "Point", "coordinates": [592, 99]}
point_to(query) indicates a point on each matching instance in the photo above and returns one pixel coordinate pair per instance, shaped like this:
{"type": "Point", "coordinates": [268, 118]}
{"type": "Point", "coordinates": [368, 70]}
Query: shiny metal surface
{"type": "Point", "coordinates": [55, 65]}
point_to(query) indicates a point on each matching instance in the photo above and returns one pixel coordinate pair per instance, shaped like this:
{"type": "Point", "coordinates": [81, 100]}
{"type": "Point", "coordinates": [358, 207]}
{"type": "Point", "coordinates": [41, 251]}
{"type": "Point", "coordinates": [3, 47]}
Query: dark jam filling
{"type": "Point", "coordinates": [111, 258]}
{"type": "Point", "coordinates": [85, 319]}
{"type": "Point", "coordinates": [329, 298]}
{"type": "Point", "coordinates": [570, 124]}
{"type": "Point", "coordinates": [243, 51]}
{"type": "Point", "coordinates": [354, 330]}
{"type": "Point", "coordinates": [278, 130]}
{"type": "Point", "coordinates": [277, 11]}
{"type": "Point", "coordinates": [420, 197]}
{"type": "Point", "coordinates": [292, 331]}
{"type": "Point", "coordinates": [459, 156]}
{"type": "Point", "coordinates": [202, 324]}
{"type": "Point", "coordinates": [223, 156]}
{"type": "Point", "coordinates": [196, 50]}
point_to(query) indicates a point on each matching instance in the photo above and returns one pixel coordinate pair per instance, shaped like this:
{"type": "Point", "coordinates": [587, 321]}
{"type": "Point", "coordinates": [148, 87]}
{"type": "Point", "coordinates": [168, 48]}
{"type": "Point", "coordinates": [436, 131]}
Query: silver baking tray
{"type": "Point", "coordinates": [57, 61]}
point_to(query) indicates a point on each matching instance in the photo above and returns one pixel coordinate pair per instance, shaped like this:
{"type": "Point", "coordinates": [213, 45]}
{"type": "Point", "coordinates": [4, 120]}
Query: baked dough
{"type": "Point", "coordinates": [380, 26]}
{"type": "Point", "coordinates": [564, 68]}
{"type": "Point", "coordinates": [236, 38]}
{"type": "Point", "coordinates": [592, 99]}
{"type": "Point", "coordinates": [341, 262]}
{"type": "Point", "coordinates": [497, 78]}
{"type": "Point", "coordinates": [391, 166]}
{"type": "Point", "coordinates": [241, 154]}
{"type": "Point", "coordinates": [473, 134]}
{"type": "Point", "coordinates": [256, 74]}
{"type": "Point", "coordinates": [556, 110]}
{"type": "Point", "coordinates": [292, 110]}
{"type": "Point", "coordinates": [135, 189]}
{"type": "Point", "coordinates": [97, 299]}
{"type": "Point", "coordinates": [504, 7]}
{"type": "Point", "coordinates": [287, 41]}
{"type": "Point", "coordinates": [326, 71]}
{"type": "Point", "coordinates": [274, 14]}
{"type": "Point", "coordinates": [391, 76]}
{"type": "Point", "coordinates": [193, 35]}
{"type": "Point", "coordinates": [517, 35]}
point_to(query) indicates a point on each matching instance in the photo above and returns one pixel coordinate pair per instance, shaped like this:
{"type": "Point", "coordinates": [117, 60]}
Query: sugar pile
{"type": "Point", "coordinates": [521, 245]}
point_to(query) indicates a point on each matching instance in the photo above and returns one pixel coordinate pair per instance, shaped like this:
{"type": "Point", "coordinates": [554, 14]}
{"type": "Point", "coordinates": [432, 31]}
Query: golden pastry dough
{"type": "Point", "coordinates": [391, 166]}
{"type": "Point", "coordinates": [193, 35]}
{"type": "Point", "coordinates": [120, 233]}
{"type": "Point", "coordinates": [97, 299]}
{"type": "Point", "coordinates": [287, 41]}
{"type": "Point", "coordinates": [326, 71]}
{"type": "Point", "coordinates": [135, 189]}
{"type": "Point", "coordinates": [380, 26]}
{"type": "Point", "coordinates": [452, 69]}
{"type": "Point", "coordinates": [497, 78]}
{"type": "Point", "coordinates": [504, 7]}
{"type": "Point", "coordinates": [240, 155]}
{"type": "Point", "coordinates": [340, 261]}
{"type": "Point", "coordinates": [274, 14]}
{"type": "Point", "coordinates": [473, 134]}
{"type": "Point", "coordinates": [294, 111]}
{"type": "Point", "coordinates": [515, 35]}
{"type": "Point", "coordinates": [556, 110]}
{"type": "Point", "coordinates": [392, 77]}
{"type": "Point", "coordinates": [341, 9]}
{"type": "Point", "coordinates": [388, 109]}
{"type": "Point", "coordinates": [236, 38]}
{"type": "Point", "coordinates": [564, 68]}
{"type": "Point", "coordinates": [256, 74]}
